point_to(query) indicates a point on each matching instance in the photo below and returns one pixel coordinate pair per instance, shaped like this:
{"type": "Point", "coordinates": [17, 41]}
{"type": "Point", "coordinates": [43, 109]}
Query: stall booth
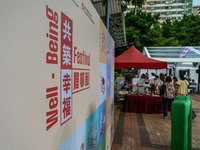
{"type": "Point", "coordinates": [132, 58]}
{"type": "Point", "coordinates": [180, 60]}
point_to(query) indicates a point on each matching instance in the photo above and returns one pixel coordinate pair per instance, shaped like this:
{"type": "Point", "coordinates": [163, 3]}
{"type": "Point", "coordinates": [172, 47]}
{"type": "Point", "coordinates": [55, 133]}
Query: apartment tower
{"type": "Point", "coordinates": [172, 9]}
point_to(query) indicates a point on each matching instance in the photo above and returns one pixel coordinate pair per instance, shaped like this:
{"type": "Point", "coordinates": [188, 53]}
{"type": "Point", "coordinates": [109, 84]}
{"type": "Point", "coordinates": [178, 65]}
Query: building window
{"type": "Point", "coordinates": [168, 13]}
{"type": "Point", "coordinates": [152, 2]}
{"type": "Point", "coordinates": [169, 1]}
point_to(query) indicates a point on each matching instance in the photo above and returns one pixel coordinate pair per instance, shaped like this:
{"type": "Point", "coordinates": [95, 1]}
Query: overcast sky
{"type": "Point", "coordinates": [196, 3]}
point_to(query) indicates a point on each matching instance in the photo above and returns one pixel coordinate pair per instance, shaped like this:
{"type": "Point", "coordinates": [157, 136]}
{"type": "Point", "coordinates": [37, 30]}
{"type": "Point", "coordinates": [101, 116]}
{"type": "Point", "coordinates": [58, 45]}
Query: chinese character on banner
{"type": "Point", "coordinates": [67, 107]}
{"type": "Point", "coordinates": [82, 79]}
{"type": "Point", "coordinates": [87, 78]}
{"type": "Point", "coordinates": [66, 82]}
{"type": "Point", "coordinates": [66, 55]}
{"type": "Point", "coordinates": [76, 80]}
{"type": "Point", "coordinates": [66, 67]}
{"type": "Point", "coordinates": [66, 41]}
{"type": "Point", "coordinates": [66, 30]}
{"type": "Point", "coordinates": [66, 95]}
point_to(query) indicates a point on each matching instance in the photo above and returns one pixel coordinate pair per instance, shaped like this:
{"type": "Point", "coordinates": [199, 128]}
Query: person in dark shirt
{"type": "Point", "coordinates": [193, 86]}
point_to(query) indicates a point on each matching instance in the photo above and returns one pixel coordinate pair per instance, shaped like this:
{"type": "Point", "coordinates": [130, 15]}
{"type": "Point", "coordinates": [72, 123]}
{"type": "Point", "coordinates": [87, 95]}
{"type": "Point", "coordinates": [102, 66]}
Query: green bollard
{"type": "Point", "coordinates": [181, 124]}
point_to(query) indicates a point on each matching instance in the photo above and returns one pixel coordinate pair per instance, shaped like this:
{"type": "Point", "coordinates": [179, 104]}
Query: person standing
{"type": "Point", "coordinates": [151, 79]}
{"type": "Point", "coordinates": [168, 95]}
{"type": "Point", "coordinates": [175, 85]}
{"type": "Point", "coordinates": [147, 85]}
{"type": "Point", "coordinates": [193, 86]}
{"type": "Point", "coordinates": [160, 82]}
{"type": "Point", "coordinates": [182, 86]}
{"type": "Point", "coordinates": [140, 85]}
{"type": "Point", "coordinates": [156, 82]}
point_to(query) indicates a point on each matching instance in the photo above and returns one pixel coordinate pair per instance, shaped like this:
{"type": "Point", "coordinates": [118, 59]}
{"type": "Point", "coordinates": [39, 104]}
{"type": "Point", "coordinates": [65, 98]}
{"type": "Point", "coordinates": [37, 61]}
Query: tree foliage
{"type": "Point", "coordinates": [143, 29]}
{"type": "Point", "coordinates": [136, 3]}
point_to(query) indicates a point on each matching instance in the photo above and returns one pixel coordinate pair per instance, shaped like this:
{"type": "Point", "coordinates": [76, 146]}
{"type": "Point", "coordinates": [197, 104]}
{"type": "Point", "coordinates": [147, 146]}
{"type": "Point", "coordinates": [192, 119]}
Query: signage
{"type": "Point", "coordinates": [62, 95]}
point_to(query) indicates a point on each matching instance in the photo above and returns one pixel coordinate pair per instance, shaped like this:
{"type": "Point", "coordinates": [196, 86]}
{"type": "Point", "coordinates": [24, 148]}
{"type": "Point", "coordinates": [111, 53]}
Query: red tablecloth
{"type": "Point", "coordinates": [143, 104]}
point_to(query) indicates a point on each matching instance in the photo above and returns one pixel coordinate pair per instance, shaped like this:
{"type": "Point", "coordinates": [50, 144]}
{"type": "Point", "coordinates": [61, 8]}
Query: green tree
{"type": "Point", "coordinates": [137, 27]}
{"type": "Point", "coordinates": [137, 3]}
{"type": "Point", "coordinates": [167, 29]}
{"type": "Point", "coordinates": [187, 30]}
{"type": "Point", "coordinates": [155, 38]}
{"type": "Point", "coordinates": [143, 29]}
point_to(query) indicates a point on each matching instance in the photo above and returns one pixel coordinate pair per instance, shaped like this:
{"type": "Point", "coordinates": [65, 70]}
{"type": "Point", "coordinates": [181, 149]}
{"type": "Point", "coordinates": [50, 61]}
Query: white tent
{"type": "Point", "coordinates": [179, 59]}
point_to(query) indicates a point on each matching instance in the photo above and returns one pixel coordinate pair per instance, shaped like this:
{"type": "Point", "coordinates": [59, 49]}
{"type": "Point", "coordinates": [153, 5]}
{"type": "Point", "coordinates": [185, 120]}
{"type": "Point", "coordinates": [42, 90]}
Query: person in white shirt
{"type": "Point", "coordinates": [160, 82]}
{"type": "Point", "coordinates": [151, 80]}
{"type": "Point", "coordinates": [141, 84]}
{"type": "Point", "coordinates": [153, 84]}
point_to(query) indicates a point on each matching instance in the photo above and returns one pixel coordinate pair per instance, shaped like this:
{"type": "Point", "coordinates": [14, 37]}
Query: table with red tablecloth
{"type": "Point", "coordinates": [143, 103]}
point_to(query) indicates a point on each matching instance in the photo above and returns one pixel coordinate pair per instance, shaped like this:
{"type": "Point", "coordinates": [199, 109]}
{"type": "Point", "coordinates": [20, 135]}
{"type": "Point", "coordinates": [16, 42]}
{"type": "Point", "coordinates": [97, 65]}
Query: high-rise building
{"type": "Point", "coordinates": [188, 7]}
{"type": "Point", "coordinates": [172, 9]}
{"type": "Point", "coordinates": [196, 7]}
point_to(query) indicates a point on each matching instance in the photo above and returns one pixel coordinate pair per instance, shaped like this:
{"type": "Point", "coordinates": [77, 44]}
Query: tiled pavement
{"type": "Point", "coordinates": [136, 131]}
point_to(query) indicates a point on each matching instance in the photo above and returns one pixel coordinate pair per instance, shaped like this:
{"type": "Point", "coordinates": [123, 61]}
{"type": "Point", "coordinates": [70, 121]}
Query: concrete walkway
{"type": "Point", "coordinates": [137, 131]}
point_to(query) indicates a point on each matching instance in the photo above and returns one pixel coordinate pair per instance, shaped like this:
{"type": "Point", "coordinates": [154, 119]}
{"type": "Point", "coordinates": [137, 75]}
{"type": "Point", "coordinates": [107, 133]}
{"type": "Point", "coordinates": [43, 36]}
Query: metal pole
{"type": "Point", "coordinates": [175, 72]}
{"type": "Point", "coordinates": [107, 14]}
{"type": "Point", "coordinates": [199, 80]}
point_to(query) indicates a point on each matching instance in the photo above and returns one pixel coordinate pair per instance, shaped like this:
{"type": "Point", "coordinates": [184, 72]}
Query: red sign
{"type": "Point", "coordinates": [81, 80]}
{"type": "Point", "coordinates": [66, 66]}
{"type": "Point", "coordinates": [66, 41]}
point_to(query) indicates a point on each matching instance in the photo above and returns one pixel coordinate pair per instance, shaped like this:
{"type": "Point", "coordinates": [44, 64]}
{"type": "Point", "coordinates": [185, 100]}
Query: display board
{"type": "Point", "coordinates": [57, 76]}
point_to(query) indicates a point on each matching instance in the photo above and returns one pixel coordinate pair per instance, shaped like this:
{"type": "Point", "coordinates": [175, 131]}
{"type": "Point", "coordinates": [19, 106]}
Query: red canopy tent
{"type": "Point", "coordinates": [132, 58]}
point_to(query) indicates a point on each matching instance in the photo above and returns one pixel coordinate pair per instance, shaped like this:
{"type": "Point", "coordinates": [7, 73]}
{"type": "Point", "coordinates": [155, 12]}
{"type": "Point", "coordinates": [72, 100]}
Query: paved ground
{"type": "Point", "coordinates": [136, 131]}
